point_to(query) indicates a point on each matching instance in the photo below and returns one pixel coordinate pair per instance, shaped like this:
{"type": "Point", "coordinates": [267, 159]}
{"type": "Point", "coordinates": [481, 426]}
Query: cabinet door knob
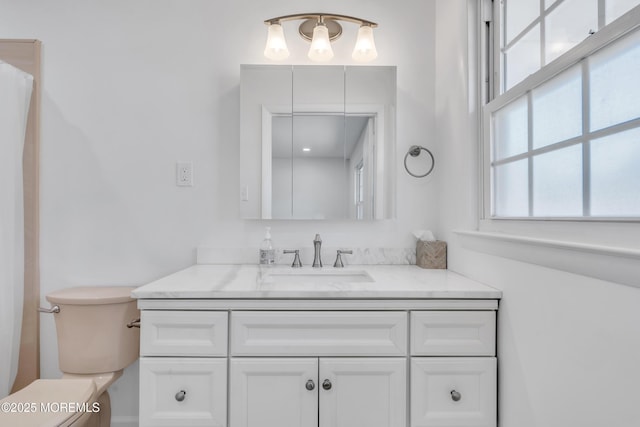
{"type": "Point", "coordinates": [326, 384]}
{"type": "Point", "coordinates": [310, 385]}
{"type": "Point", "coordinates": [181, 395]}
{"type": "Point", "coordinates": [455, 395]}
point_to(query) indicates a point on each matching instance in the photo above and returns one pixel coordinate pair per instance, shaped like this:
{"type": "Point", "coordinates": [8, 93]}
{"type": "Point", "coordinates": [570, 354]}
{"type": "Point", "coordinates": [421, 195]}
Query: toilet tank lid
{"type": "Point", "coordinates": [92, 295]}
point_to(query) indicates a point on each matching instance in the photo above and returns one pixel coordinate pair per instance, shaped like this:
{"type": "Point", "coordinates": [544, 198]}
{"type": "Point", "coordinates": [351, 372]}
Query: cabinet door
{"type": "Point", "coordinates": [453, 392]}
{"type": "Point", "coordinates": [273, 392]}
{"type": "Point", "coordinates": [358, 392]}
{"type": "Point", "coordinates": [183, 392]}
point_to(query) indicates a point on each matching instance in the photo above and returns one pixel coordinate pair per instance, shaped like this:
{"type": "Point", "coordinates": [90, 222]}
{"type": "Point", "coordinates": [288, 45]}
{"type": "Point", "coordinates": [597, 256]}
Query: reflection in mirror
{"type": "Point", "coordinates": [328, 152]}
{"type": "Point", "coordinates": [309, 179]}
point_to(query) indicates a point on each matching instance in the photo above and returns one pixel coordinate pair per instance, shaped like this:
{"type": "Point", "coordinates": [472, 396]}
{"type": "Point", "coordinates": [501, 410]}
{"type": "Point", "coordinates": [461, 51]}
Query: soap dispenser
{"type": "Point", "coordinates": [267, 253]}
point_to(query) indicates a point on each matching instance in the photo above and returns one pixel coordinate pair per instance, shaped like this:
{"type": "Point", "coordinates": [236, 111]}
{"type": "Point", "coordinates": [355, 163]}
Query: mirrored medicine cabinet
{"type": "Point", "coordinates": [317, 142]}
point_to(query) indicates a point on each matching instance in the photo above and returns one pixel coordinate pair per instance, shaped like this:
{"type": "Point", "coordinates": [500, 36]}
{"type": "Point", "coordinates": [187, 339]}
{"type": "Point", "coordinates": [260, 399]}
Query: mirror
{"type": "Point", "coordinates": [317, 142]}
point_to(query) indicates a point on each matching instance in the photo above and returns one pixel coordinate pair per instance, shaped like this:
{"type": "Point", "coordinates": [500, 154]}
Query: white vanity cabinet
{"type": "Point", "coordinates": [318, 363]}
{"type": "Point", "coordinates": [251, 346]}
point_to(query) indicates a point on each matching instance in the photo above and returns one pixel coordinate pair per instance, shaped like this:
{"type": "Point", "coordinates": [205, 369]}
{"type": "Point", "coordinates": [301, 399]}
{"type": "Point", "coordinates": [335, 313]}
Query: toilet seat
{"type": "Point", "coordinates": [49, 403]}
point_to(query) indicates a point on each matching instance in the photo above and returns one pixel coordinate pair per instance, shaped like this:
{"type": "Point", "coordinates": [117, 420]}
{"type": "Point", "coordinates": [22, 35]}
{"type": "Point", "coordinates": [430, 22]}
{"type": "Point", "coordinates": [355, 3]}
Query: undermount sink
{"type": "Point", "coordinates": [315, 276]}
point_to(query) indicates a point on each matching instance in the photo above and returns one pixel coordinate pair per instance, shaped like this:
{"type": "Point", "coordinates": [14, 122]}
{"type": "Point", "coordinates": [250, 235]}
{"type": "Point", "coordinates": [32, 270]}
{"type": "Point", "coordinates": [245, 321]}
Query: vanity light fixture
{"type": "Point", "coordinates": [320, 29]}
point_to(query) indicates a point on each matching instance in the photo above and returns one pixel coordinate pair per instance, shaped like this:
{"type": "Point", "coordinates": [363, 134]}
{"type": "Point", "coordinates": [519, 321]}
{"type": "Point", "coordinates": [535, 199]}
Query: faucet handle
{"type": "Point", "coordinates": [296, 258]}
{"type": "Point", "coordinates": [338, 263]}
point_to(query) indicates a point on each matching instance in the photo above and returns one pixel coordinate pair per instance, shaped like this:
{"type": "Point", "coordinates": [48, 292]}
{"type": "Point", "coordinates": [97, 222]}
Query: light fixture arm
{"type": "Point", "coordinates": [320, 17]}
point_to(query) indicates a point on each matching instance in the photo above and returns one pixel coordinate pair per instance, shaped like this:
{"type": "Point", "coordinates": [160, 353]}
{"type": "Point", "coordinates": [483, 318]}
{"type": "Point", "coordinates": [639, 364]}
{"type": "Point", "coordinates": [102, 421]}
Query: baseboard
{"type": "Point", "coordinates": [129, 421]}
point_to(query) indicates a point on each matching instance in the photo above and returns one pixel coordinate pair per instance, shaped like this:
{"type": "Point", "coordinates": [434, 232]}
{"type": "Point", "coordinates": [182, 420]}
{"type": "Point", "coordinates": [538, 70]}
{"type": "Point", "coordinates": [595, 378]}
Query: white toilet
{"type": "Point", "coordinates": [94, 346]}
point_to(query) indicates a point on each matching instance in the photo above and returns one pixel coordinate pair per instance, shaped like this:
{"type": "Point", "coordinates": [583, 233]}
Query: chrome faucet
{"type": "Point", "coordinates": [296, 258]}
{"type": "Point", "coordinates": [339, 263]}
{"type": "Point", "coordinates": [317, 245]}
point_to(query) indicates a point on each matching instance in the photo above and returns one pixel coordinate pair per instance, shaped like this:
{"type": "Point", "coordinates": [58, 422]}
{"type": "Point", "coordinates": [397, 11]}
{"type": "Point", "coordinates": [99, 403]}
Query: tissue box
{"type": "Point", "coordinates": [431, 254]}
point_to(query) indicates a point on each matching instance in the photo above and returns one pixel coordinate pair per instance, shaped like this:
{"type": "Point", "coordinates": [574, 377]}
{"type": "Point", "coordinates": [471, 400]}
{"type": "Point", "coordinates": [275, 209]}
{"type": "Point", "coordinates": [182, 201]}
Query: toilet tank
{"type": "Point", "coordinates": [92, 329]}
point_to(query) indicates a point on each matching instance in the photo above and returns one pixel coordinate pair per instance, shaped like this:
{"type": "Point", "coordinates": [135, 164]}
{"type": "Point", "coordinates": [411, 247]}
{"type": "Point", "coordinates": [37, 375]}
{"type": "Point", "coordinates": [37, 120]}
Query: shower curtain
{"type": "Point", "coordinates": [15, 94]}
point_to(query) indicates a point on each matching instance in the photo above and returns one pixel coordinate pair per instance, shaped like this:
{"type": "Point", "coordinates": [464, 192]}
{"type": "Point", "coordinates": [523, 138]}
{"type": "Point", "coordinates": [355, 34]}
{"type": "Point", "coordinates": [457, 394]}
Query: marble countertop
{"type": "Point", "coordinates": [259, 282]}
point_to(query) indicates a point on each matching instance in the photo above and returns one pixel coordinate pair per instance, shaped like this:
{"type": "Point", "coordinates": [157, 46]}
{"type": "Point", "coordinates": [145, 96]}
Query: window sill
{"type": "Point", "coordinates": [614, 264]}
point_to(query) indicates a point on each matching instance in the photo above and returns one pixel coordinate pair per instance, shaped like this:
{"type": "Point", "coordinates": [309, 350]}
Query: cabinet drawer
{"type": "Point", "coordinates": [453, 333]}
{"type": "Point", "coordinates": [312, 333]}
{"type": "Point", "coordinates": [183, 392]}
{"type": "Point", "coordinates": [183, 333]}
{"type": "Point", "coordinates": [453, 391]}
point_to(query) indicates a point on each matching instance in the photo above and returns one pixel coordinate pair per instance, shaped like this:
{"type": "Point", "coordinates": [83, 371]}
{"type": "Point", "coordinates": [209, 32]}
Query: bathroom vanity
{"type": "Point", "coordinates": [376, 346]}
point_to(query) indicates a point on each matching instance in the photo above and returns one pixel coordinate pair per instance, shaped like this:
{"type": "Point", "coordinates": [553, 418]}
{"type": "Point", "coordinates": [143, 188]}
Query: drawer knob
{"type": "Point", "coordinates": [326, 384]}
{"type": "Point", "coordinates": [310, 385]}
{"type": "Point", "coordinates": [456, 396]}
{"type": "Point", "coordinates": [181, 395]}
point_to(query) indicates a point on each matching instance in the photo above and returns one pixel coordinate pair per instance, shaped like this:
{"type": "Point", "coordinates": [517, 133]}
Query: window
{"type": "Point", "coordinates": [565, 142]}
{"type": "Point", "coordinates": [535, 32]}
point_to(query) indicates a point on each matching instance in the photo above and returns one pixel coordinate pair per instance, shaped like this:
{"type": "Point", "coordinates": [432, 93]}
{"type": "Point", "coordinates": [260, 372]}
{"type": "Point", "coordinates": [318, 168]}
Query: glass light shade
{"type": "Point", "coordinates": [365, 49]}
{"type": "Point", "coordinates": [320, 45]}
{"type": "Point", "coordinates": [276, 47]}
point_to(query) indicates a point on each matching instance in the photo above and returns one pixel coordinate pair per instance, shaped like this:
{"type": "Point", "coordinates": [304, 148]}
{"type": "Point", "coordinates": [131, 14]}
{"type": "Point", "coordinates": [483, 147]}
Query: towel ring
{"type": "Point", "coordinates": [415, 152]}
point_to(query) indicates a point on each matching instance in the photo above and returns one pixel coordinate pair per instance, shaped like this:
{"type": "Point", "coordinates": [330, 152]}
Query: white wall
{"type": "Point", "coordinates": [131, 87]}
{"type": "Point", "coordinates": [568, 345]}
